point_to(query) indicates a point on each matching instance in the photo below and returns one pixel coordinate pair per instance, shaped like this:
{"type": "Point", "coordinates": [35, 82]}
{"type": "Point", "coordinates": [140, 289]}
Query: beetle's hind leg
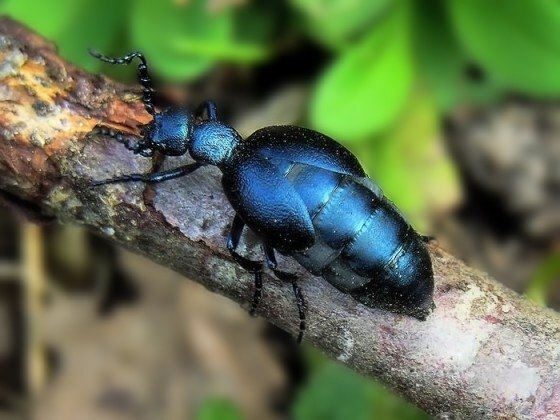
{"type": "Point", "coordinates": [143, 76]}
{"type": "Point", "coordinates": [292, 278]}
{"type": "Point", "coordinates": [254, 267]}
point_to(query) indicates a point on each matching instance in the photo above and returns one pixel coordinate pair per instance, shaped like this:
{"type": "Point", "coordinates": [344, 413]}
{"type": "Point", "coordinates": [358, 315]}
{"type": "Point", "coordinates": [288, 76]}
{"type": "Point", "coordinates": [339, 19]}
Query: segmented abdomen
{"type": "Point", "coordinates": [363, 245]}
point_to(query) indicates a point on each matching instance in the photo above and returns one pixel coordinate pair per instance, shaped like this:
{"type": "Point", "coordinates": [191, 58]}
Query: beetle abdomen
{"type": "Point", "coordinates": [363, 246]}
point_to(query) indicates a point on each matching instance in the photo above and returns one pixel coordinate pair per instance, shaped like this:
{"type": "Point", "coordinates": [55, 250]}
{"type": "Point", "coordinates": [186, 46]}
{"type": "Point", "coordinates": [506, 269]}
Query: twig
{"type": "Point", "coordinates": [484, 353]}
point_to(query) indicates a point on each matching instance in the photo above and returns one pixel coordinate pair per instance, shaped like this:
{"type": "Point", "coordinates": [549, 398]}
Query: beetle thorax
{"type": "Point", "coordinates": [213, 142]}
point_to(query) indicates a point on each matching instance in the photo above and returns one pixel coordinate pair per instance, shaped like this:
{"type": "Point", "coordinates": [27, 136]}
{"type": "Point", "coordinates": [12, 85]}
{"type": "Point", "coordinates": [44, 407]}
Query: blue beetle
{"type": "Point", "coordinates": [302, 194]}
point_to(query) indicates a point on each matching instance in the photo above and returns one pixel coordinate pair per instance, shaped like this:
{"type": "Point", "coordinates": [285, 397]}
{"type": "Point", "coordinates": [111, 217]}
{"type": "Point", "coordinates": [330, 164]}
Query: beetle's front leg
{"type": "Point", "coordinates": [254, 267]}
{"type": "Point", "coordinates": [152, 178]}
{"type": "Point", "coordinates": [130, 142]}
{"type": "Point", "coordinates": [292, 278]}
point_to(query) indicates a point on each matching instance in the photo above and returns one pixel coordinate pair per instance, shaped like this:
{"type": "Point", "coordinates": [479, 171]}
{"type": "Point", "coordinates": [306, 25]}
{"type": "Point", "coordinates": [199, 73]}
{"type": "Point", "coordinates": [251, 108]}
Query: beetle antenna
{"type": "Point", "coordinates": [143, 76]}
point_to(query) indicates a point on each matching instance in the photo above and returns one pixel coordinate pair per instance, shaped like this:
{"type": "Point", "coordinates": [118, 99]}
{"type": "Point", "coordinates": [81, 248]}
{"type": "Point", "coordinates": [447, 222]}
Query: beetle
{"type": "Point", "coordinates": [302, 194]}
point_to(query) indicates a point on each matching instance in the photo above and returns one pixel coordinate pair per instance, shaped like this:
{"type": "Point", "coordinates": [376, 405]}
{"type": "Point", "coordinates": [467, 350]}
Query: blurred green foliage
{"type": "Point", "coordinates": [188, 27]}
{"type": "Point", "coordinates": [366, 87]}
{"type": "Point", "coordinates": [543, 280]}
{"type": "Point", "coordinates": [194, 38]}
{"type": "Point", "coordinates": [334, 392]}
{"type": "Point", "coordinates": [72, 25]}
{"type": "Point", "coordinates": [218, 409]}
{"type": "Point", "coordinates": [336, 23]}
{"type": "Point", "coordinates": [516, 41]}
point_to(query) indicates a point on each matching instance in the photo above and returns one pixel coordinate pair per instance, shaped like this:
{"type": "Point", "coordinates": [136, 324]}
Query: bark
{"type": "Point", "coordinates": [484, 353]}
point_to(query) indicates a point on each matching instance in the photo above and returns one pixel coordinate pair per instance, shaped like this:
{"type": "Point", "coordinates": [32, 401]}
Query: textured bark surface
{"type": "Point", "coordinates": [484, 353]}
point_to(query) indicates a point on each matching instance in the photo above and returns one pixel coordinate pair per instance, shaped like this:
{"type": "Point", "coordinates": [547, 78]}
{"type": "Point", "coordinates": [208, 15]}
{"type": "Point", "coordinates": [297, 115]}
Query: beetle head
{"type": "Point", "coordinates": [168, 132]}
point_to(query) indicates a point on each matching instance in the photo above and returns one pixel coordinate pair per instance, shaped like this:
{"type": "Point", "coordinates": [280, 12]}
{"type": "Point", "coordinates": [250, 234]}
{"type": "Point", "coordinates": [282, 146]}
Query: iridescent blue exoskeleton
{"type": "Point", "coordinates": [303, 195]}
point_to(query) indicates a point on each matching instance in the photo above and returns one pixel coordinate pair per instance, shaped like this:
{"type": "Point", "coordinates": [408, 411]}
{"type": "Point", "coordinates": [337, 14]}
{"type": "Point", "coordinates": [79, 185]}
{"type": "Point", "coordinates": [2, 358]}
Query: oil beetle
{"type": "Point", "coordinates": [302, 194]}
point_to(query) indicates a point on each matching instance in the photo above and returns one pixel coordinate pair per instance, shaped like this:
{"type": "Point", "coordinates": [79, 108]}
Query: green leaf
{"type": "Point", "coordinates": [365, 89]}
{"type": "Point", "coordinates": [516, 41]}
{"type": "Point", "coordinates": [73, 25]}
{"type": "Point", "coordinates": [334, 392]}
{"type": "Point", "coordinates": [218, 409]}
{"type": "Point", "coordinates": [193, 38]}
{"type": "Point", "coordinates": [441, 60]}
{"type": "Point", "coordinates": [545, 276]}
{"type": "Point", "coordinates": [253, 26]}
{"type": "Point", "coordinates": [182, 39]}
{"type": "Point", "coordinates": [256, 23]}
{"type": "Point", "coordinates": [411, 165]}
{"type": "Point", "coordinates": [336, 22]}
{"type": "Point", "coordinates": [48, 17]}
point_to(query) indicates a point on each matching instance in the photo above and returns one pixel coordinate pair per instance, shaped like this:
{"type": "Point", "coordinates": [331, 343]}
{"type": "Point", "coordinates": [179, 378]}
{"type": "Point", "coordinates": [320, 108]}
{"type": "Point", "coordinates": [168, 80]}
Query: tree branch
{"type": "Point", "coordinates": [484, 353]}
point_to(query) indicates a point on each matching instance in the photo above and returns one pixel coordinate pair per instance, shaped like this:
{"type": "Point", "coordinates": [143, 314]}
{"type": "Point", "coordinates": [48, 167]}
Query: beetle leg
{"type": "Point", "coordinates": [129, 141]}
{"type": "Point", "coordinates": [292, 278]}
{"type": "Point", "coordinates": [254, 267]}
{"type": "Point", "coordinates": [211, 110]}
{"type": "Point", "coordinates": [152, 178]}
{"type": "Point", "coordinates": [143, 76]}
